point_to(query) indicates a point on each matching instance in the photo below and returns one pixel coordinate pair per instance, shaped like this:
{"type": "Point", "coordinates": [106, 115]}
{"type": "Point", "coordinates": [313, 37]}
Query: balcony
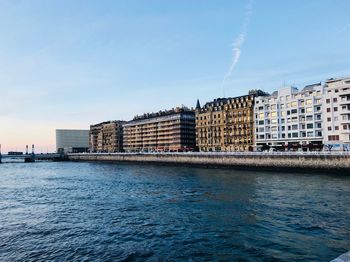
{"type": "Point", "coordinates": [345, 111]}
{"type": "Point", "coordinates": [344, 92]}
{"type": "Point", "coordinates": [344, 101]}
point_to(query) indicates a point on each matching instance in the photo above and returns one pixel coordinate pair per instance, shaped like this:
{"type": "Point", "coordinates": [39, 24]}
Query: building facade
{"type": "Point", "coordinates": [226, 124]}
{"type": "Point", "coordinates": [290, 119]}
{"type": "Point", "coordinates": [106, 137]}
{"type": "Point", "coordinates": [72, 141]}
{"type": "Point", "coordinates": [336, 113]}
{"type": "Point", "coordinates": [172, 130]}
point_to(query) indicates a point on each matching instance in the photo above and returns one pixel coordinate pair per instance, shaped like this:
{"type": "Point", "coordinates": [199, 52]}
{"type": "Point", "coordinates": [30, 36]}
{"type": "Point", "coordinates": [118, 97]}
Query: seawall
{"type": "Point", "coordinates": [295, 161]}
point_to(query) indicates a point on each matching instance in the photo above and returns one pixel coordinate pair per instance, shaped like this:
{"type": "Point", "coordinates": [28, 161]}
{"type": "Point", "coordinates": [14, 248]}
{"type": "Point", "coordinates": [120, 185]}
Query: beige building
{"type": "Point", "coordinates": [226, 124]}
{"type": "Point", "coordinates": [172, 130]}
{"type": "Point", "coordinates": [106, 137]}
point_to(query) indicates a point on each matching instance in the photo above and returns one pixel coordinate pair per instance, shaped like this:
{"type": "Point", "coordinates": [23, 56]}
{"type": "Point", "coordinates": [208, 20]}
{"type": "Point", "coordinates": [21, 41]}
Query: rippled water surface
{"type": "Point", "coordinates": [112, 212]}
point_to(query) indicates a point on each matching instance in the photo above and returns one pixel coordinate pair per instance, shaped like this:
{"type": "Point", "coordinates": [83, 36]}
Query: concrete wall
{"type": "Point", "coordinates": [333, 162]}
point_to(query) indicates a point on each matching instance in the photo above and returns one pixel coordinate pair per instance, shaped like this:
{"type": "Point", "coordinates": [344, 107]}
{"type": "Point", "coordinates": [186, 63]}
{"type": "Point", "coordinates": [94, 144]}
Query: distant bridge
{"type": "Point", "coordinates": [32, 157]}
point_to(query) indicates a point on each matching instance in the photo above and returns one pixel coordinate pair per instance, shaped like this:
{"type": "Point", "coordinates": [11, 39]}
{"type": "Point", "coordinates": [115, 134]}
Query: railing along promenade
{"type": "Point", "coordinates": [338, 161]}
{"type": "Point", "coordinates": [237, 153]}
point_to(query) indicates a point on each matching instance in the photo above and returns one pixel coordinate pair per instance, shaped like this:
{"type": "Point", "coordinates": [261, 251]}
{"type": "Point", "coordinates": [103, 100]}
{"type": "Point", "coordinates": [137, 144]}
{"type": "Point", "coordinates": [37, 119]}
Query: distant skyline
{"type": "Point", "coordinates": [68, 64]}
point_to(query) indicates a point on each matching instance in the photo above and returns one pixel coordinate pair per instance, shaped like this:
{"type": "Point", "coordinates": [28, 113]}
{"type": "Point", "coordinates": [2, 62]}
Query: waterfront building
{"type": "Point", "coordinates": [290, 119]}
{"type": "Point", "coordinates": [336, 113]}
{"type": "Point", "coordinates": [226, 124]}
{"type": "Point", "coordinates": [106, 137]}
{"type": "Point", "coordinates": [72, 141]}
{"type": "Point", "coordinates": [172, 130]}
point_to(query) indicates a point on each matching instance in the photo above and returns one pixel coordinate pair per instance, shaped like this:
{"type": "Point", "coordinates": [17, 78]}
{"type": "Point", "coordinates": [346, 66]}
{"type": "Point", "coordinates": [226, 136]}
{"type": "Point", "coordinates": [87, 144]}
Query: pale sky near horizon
{"type": "Point", "coordinates": [69, 64]}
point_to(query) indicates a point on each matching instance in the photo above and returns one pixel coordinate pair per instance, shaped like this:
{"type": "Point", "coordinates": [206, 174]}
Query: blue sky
{"type": "Point", "coordinates": [67, 64]}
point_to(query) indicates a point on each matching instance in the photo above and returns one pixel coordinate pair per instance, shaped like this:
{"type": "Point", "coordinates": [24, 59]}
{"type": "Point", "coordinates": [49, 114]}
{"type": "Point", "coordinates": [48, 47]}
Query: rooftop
{"type": "Point", "coordinates": [163, 113]}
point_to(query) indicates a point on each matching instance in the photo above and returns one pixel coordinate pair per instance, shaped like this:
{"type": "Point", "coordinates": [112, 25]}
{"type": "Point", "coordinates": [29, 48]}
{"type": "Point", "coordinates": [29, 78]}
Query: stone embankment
{"type": "Point", "coordinates": [294, 161]}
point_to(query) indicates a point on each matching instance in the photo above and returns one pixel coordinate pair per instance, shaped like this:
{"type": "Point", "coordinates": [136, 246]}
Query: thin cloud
{"type": "Point", "coordinates": [239, 41]}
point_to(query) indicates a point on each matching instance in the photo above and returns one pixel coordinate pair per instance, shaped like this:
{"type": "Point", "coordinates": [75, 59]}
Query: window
{"type": "Point", "coordinates": [328, 101]}
{"type": "Point", "coordinates": [333, 138]}
{"type": "Point", "coordinates": [310, 134]}
{"type": "Point", "coordinates": [335, 100]}
{"type": "Point", "coordinates": [309, 126]}
{"type": "Point", "coordinates": [329, 128]}
{"type": "Point", "coordinates": [294, 111]}
{"type": "Point", "coordinates": [328, 110]}
{"type": "Point", "coordinates": [294, 104]}
{"type": "Point", "coordinates": [335, 109]}
{"type": "Point", "coordinates": [309, 109]}
{"type": "Point", "coordinates": [336, 128]}
{"type": "Point", "coordinates": [329, 119]}
{"type": "Point", "coordinates": [309, 101]}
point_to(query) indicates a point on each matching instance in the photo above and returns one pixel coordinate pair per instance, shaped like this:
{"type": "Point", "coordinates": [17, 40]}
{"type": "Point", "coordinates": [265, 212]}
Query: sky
{"type": "Point", "coordinates": [69, 64]}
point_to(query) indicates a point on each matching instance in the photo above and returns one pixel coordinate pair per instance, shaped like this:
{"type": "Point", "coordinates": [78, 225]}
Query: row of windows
{"type": "Point", "coordinates": [289, 135]}
{"type": "Point", "coordinates": [328, 100]}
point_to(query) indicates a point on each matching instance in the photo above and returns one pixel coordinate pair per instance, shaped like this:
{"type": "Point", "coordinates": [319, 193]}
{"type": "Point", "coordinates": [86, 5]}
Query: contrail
{"type": "Point", "coordinates": [239, 41]}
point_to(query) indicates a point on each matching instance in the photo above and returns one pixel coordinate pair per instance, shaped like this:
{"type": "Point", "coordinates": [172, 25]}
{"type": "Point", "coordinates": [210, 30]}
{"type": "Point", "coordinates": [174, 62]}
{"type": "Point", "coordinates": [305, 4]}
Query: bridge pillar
{"type": "Point", "coordinates": [29, 159]}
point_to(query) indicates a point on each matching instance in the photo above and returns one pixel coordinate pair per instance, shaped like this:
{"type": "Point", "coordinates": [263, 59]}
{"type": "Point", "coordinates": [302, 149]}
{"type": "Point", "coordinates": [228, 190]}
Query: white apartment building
{"type": "Point", "coordinates": [290, 119]}
{"type": "Point", "coordinates": [336, 114]}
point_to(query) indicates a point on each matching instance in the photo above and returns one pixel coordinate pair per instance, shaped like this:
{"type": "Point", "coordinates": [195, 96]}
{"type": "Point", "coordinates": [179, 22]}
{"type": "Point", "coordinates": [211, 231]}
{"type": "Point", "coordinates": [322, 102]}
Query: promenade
{"type": "Point", "coordinates": [338, 162]}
